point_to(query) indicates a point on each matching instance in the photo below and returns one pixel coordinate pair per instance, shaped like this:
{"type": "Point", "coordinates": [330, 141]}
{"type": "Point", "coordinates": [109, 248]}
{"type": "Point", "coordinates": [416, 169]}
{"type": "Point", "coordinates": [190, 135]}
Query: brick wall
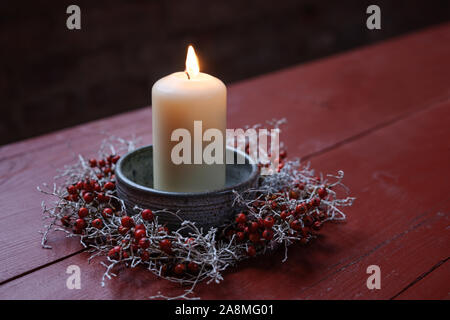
{"type": "Point", "coordinates": [52, 78]}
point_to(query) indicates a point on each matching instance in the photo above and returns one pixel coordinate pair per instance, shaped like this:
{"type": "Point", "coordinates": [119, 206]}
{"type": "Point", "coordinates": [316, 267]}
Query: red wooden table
{"type": "Point", "coordinates": [380, 113]}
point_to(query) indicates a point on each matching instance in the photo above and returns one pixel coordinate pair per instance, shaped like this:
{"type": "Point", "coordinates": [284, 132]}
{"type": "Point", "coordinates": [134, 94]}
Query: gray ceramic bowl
{"type": "Point", "coordinates": [134, 180]}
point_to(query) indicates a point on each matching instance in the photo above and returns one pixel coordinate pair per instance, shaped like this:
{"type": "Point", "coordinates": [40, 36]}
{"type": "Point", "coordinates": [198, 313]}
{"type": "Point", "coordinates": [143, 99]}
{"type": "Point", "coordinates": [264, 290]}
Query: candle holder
{"type": "Point", "coordinates": [134, 181]}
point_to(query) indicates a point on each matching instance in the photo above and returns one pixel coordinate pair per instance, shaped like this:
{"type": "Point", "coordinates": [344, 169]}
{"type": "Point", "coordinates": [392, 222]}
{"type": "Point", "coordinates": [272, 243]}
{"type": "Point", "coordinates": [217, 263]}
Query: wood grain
{"type": "Point", "coordinates": [394, 224]}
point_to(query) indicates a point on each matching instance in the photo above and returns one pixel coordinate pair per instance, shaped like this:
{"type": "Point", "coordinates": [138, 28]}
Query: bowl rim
{"type": "Point", "coordinates": [120, 176]}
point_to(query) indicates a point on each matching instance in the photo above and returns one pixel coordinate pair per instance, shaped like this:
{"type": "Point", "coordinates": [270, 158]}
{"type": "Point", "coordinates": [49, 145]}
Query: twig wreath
{"type": "Point", "coordinates": [288, 206]}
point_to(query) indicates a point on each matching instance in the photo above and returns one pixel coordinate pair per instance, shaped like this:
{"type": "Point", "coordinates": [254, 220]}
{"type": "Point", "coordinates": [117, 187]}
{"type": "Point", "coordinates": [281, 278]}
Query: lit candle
{"type": "Point", "coordinates": [178, 100]}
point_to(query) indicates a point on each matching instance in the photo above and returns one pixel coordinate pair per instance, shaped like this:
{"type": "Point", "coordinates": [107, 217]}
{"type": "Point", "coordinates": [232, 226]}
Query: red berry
{"type": "Point", "coordinates": [301, 208]}
{"type": "Point", "coordinates": [241, 226]}
{"type": "Point", "coordinates": [107, 212]}
{"type": "Point", "coordinates": [260, 223]}
{"type": "Point", "coordinates": [304, 231]}
{"type": "Point", "coordinates": [274, 204]}
{"type": "Point", "coordinates": [268, 222]}
{"type": "Point", "coordinates": [147, 215]}
{"type": "Point", "coordinates": [114, 253]}
{"type": "Point", "coordinates": [72, 189]}
{"type": "Point", "coordinates": [193, 267]}
{"type": "Point", "coordinates": [315, 202]}
{"type": "Point", "coordinates": [144, 243]}
{"type": "Point", "coordinates": [253, 226]}
{"type": "Point", "coordinates": [80, 224]}
{"type": "Point", "coordinates": [293, 194]}
{"type": "Point", "coordinates": [127, 221]}
{"type": "Point", "coordinates": [317, 225]}
{"type": "Point", "coordinates": [138, 234]}
{"type": "Point", "coordinates": [145, 256]}
{"type": "Point", "coordinates": [163, 230]}
{"type": "Point", "coordinates": [97, 223]}
{"type": "Point", "coordinates": [115, 159]}
{"type": "Point", "coordinates": [139, 226]}
{"type": "Point", "coordinates": [322, 192]}
{"type": "Point", "coordinates": [301, 186]}
{"type": "Point", "coordinates": [80, 185]}
{"type": "Point", "coordinates": [102, 163]}
{"type": "Point", "coordinates": [166, 246]}
{"type": "Point", "coordinates": [123, 230]}
{"type": "Point", "coordinates": [109, 185]}
{"type": "Point", "coordinates": [254, 237]}
{"type": "Point", "coordinates": [180, 268]}
{"type": "Point", "coordinates": [296, 225]}
{"type": "Point", "coordinates": [88, 197]}
{"type": "Point", "coordinates": [65, 221]}
{"type": "Point", "coordinates": [251, 251]}
{"type": "Point", "coordinates": [284, 215]}
{"type": "Point", "coordinates": [97, 187]}
{"type": "Point", "coordinates": [308, 221]}
{"type": "Point", "coordinates": [240, 236]}
{"type": "Point", "coordinates": [93, 162]}
{"type": "Point", "coordinates": [241, 218]}
{"type": "Point", "coordinates": [102, 198]}
{"type": "Point", "coordinates": [267, 234]}
{"type": "Point", "coordinates": [83, 212]}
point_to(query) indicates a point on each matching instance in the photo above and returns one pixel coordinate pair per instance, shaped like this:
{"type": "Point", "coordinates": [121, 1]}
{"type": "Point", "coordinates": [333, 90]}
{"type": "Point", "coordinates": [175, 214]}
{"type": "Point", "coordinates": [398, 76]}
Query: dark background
{"type": "Point", "coordinates": [52, 77]}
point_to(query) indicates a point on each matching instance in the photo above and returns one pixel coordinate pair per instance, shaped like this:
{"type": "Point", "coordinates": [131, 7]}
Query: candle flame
{"type": "Point", "coordinates": [192, 67]}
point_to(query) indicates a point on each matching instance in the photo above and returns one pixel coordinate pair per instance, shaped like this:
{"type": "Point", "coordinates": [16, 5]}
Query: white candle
{"type": "Point", "coordinates": [178, 100]}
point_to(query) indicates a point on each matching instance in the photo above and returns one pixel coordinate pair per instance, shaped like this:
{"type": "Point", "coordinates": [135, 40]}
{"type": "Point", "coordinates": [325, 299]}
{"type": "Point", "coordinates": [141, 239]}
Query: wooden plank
{"type": "Point", "coordinates": [327, 103]}
{"type": "Point", "coordinates": [430, 285]}
{"type": "Point", "coordinates": [399, 222]}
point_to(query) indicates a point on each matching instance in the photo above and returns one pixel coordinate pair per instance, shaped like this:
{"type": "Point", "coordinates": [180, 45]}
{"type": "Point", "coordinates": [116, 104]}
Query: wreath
{"type": "Point", "coordinates": [286, 207]}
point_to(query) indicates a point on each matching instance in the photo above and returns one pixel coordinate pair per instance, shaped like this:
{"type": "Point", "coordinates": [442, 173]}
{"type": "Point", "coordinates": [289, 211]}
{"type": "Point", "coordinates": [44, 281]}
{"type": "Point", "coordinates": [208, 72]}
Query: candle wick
{"type": "Point", "coordinates": [187, 73]}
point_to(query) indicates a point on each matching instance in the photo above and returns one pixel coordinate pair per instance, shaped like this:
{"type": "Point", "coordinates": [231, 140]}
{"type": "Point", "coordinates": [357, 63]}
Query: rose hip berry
{"type": "Point", "coordinates": [322, 192]}
{"type": "Point", "coordinates": [317, 225]}
{"type": "Point", "coordinates": [254, 237]}
{"type": "Point", "coordinates": [139, 234]}
{"type": "Point", "coordinates": [123, 230]}
{"type": "Point", "coordinates": [308, 221]}
{"type": "Point", "coordinates": [193, 267]}
{"type": "Point", "coordinates": [166, 246]}
{"type": "Point", "coordinates": [268, 222]}
{"type": "Point", "coordinates": [253, 226]}
{"type": "Point", "coordinates": [241, 218]}
{"type": "Point", "coordinates": [88, 197]}
{"type": "Point", "coordinates": [93, 162]}
{"type": "Point", "coordinates": [267, 234]}
{"type": "Point", "coordinates": [72, 189]}
{"type": "Point", "coordinates": [80, 224]}
{"type": "Point", "coordinates": [144, 243]}
{"type": "Point", "coordinates": [147, 215]}
{"type": "Point", "coordinates": [127, 222]}
{"type": "Point", "coordinates": [315, 202]}
{"type": "Point", "coordinates": [296, 225]}
{"type": "Point", "coordinates": [109, 185]}
{"type": "Point", "coordinates": [179, 268]}
{"type": "Point", "coordinates": [145, 256]}
{"type": "Point", "coordinates": [65, 221]}
{"type": "Point", "coordinates": [107, 212]}
{"type": "Point", "coordinates": [83, 212]}
{"type": "Point", "coordinates": [97, 223]}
